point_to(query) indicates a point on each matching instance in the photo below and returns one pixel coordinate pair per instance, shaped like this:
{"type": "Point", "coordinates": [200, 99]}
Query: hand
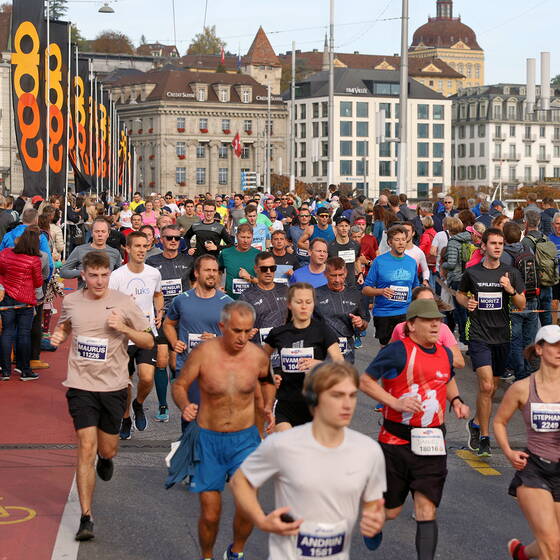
{"type": "Point", "coordinates": [159, 319]}
{"type": "Point", "coordinates": [460, 409]}
{"type": "Point", "coordinates": [290, 271]}
{"type": "Point", "coordinates": [408, 404]}
{"type": "Point", "coordinates": [309, 230]}
{"type": "Point", "coordinates": [116, 321]}
{"type": "Point", "coordinates": [179, 347]}
{"type": "Point", "coordinates": [270, 420]}
{"type": "Point", "coordinates": [253, 333]}
{"type": "Point", "coordinates": [306, 364]}
{"type": "Point", "coordinates": [472, 304]}
{"type": "Point", "coordinates": [57, 337]}
{"type": "Point", "coordinates": [426, 283]}
{"type": "Point", "coordinates": [207, 335]}
{"type": "Point", "coordinates": [243, 274]}
{"type": "Point", "coordinates": [388, 293]}
{"type": "Point", "coordinates": [506, 284]}
{"type": "Point", "coordinates": [189, 412]}
{"type": "Point", "coordinates": [210, 246]}
{"type": "Point", "coordinates": [372, 521]}
{"type": "Point", "coordinates": [273, 524]}
{"type": "Point", "coordinates": [518, 459]}
{"type": "Point", "coordinates": [360, 279]}
{"type": "Point", "coordinates": [277, 380]}
{"type": "Point", "coordinates": [191, 251]}
{"type": "Point", "coordinates": [357, 322]}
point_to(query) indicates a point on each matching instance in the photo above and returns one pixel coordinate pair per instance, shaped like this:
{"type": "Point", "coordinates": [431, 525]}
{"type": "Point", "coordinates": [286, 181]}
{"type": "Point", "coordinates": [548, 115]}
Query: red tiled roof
{"type": "Point", "coordinates": [208, 61]}
{"type": "Point", "coordinates": [149, 48]}
{"type": "Point", "coordinates": [261, 51]}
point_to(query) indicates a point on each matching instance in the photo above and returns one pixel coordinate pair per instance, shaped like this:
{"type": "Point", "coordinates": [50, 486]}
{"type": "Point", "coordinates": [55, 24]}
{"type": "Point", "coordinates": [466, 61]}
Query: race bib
{"type": "Point", "coordinates": [427, 441]}
{"type": "Point", "coordinates": [400, 293]}
{"type": "Point", "coordinates": [239, 285]}
{"type": "Point", "coordinates": [282, 273]}
{"type": "Point", "coordinates": [343, 344]}
{"type": "Point", "coordinates": [171, 288]}
{"type": "Point", "coordinates": [290, 357]}
{"type": "Point", "coordinates": [490, 300]}
{"type": "Point", "coordinates": [193, 340]}
{"type": "Point", "coordinates": [545, 417]}
{"type": "Point", "coordinates": [302, 252]}
{"type": "Point", "coordinates": [348, 256]}
{"type": "Point", "coordinates": [258, 246]}
{"type": "Point", "coordinates": [321, 540]}
{"type": "Point", "coordinates": [92, 348]}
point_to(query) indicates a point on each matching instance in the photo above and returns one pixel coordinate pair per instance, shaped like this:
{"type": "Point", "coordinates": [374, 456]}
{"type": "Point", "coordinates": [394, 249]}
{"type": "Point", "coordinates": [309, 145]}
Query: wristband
{"type": "Point", "coordinates": [458, 397]}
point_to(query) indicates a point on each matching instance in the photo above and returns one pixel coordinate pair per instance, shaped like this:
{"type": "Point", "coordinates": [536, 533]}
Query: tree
{"type": "Point", "coordinates": [5, 8]}
{"type": "Point", "coordinates": [78, 39]}
{"type": "Point", "coordinates": [112, 42]}
{"type": "Point", "coordinates": [143, 39]}
{"type": "Point", "coordinates": [206, 42]}
{"type": "Point", "coordinates": [302, 71]}
{"type": "Point", "coordinates": [58, 9]}
{"type": "Point", "coordinates": [556, 81]}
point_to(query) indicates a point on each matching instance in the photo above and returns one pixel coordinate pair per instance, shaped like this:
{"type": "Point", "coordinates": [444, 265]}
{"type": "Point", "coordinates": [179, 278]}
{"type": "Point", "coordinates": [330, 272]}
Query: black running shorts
{"type": "Point", "coordinates": [407, 472]}
{"type": "Point", "coordinates": [295, 413]}
{"type": "Point", "coordinates": [140, 356]}
{"type": "Point", "coordinates": [103, 410]}
{"type": "Point", "coordinates": [538, 473]}
{"type": "Point", "coordinates": [384, 327]}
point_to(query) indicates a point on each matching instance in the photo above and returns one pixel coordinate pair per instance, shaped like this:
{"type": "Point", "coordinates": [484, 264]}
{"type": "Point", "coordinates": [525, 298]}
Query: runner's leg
{"type": "Point", "coordinates": [209, 521]}
{"type": "Point", "coordinates": [85, 471]}
{"type": "Point", "coordinates": [242, 528]}
{"type": "Point", "coordinates": [107, 444]}
{"type": "Point", "coordinates": [145, 382]}
{"type": "Point", "coordinates": [426, 527]}
{"type": "Point", "coordinates": [161, 378]}
{"type": "Point", "coordinates": [486, 389]}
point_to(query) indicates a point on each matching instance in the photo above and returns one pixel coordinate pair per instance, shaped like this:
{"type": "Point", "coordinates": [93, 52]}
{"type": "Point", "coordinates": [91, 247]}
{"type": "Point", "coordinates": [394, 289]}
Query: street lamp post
{"type": "Point", "coordinates": [330, 167]}
{"type": "Point", "coordinates": [403, 105]}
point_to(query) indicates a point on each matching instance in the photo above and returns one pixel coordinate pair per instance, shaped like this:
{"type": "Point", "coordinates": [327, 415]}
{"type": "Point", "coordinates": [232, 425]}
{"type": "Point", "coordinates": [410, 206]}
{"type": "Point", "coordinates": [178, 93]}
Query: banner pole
{"type": "Point", "coordinates": [90, 115]}
{"type": "Point", "coordinates": [48, 101]}
{"type": "Point", "coordinates": [68, 111]}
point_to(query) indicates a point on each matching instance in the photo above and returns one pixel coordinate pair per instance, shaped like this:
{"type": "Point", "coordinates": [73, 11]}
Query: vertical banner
{"type": "Point", "coordinates": [28, 92]}
{"type": "Point", "coordinates": [81, 112]}
{"type": "Point", "coordinates": [104, 135]}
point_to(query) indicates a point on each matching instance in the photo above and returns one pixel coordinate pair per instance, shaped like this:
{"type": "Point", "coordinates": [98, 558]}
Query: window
{"type": "Point", "coordinates": [462, 131]}
{"type": "Point", "coordinates": [362, 128]}
{"type": "Point", "coordinates": [438, 112]}
{"type": "Point", "coordinates": [181, 148]}
{"type": "Point", "coordinates": [223, 95]}
{"type": "Point", "coordinates": [423, 169]}
{"type": "Point", "coordinates": [302, 131]}
{"type": "Point", "coordinates": [324, 129]}
{"type": "Point", "coordinates": [528, 132]}
{"type": "Point", "coordinates": [423, 149]}
{"type": "Point", "coordinates": [423, 111]}
{"type": "Point", "coordinates": [512, 173]}
{"type": "Point", "coordinates": [423, 131]}
{"type": "Point", "coordinates": [471, 172]}
{"type": "Point", "coordinates": [384, 149]}
{"type": "Point", "coordinates": [302, 169]}
{"type": "Point", "coordinates": [438, 150]}
{"type": "Point", "coordinates": [556, 133]}
{"type": "Point", "coordinates": [461, 150]}
{"type": "Point", "coordinates": [497, 172]}
{"type": "Point", "coordinates": [382, 88]}
{"type": "Point", "coordinates": [180, 175]}
{"type": "Point", "coordinates": [469, 70]}
{"type": "Point", "coordinates": [528, 150]}
{"type": "Point", "coordinates": [471, 130]}
{"type": "Point", "coordinates": [203, 124]}
{"type": "Point", "coordinates": [497, 150]}
{"type": "Point", "coordinates": [439, 130]}
{"type": "Point", "coordinates": [201, 175]}
{"type": "Point", "coordinates": [362, 109]}
{"type": "Point", "coordinates": [542, 153]}
{"type": "Point", "coordinates": [302, 111]}
{"type": "Point", "coordinates": [362, 148]}
{"type": "Point", "coordinates": [248, 125]}
{"type": "Point", "coordinates": [223, 176]}
{"type": "Point", "coordinates": [181, 123]}
{"type": "Point", "coordinates": [270, 127]}
{"type": "Point", "coordinates": [497, 112]}
{"type": "Point", "coordinates": [440, 84]}
{"type": "Point", "coordinates": [303, 149]}
{"type": "Point", "coordinates": [385, 168]}
{"type": "Point", "coordinates": [346, 167]}
{"type": "Point", "coordinates": [462, 171]}
{"type": "Point", "coordinates": [477, 71]}
{"type": "Point", "coordinates": [542, 173]}
{"type": "Point", "coordinates": [324, 165]}
{"type": "Point", "coordinates": [345, 148]}
{"type": "Point", "coordinates": [245, 96]}
{"type": "Point", "coordinates": [388, 130]}
{"type": "Point", "coordinates": [512, 151]}
{"type": "Point", "coordinates": [542, 131]}
{"type": "Point", "coordinates": [512, 112]}
{"type": "Point", "coordinates": [324, 149]}
{"type": "Point", "coordinates": [245, 152]}
{"type": "Point", "coordinates": [437, 168]}
{"type": "Point", "coordinates": [315, 108]}
{"type": "Point", "coordinates": [387, 108]}
{"type": "Point", "coordinates": [315, 168]}
{"type": "Point", "coordinates": [482, 171]}
{"type": "Point", "coordinates": [315, 127]}
{"type": "Point", "coordinates": [556, 151]}
{"type": "Point", "coordinates": [471, 150]}
{"type": "Point", "coordinates": [512, 130]}
{"type": "Point", "coordinates": [528, 174]}
{"type": "Point", "coordinates": [324, 110]}
{"type": "Point", "coordinates": [201, 151]}
{"type": "Point", "coordinates": [226, 124]}
{"type": "Point", "coordinates": [556, 172]}
{"type": "Point", "coordinates": [481, 131]}
{"type": "Point", "coordinates": [423, 190]}
{"type": "Point", "coordinates": [223, 151]}
{"type": "Point", "coordinates": [360, 167]}
{"type": "Point", "coordinates": [345, 128]}
{"type": "Point", "coordinates": [346, 108]}
{"type": "Point", "coordinates": [201, 94]}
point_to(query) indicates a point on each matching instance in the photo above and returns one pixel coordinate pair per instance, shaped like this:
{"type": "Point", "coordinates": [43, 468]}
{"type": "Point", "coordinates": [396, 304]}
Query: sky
{"type": "Point", "coordinates": [509, 31]}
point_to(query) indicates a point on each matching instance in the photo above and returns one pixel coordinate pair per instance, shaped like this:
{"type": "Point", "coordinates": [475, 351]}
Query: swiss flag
{"type": "Point", "coordinates": [236, 143]}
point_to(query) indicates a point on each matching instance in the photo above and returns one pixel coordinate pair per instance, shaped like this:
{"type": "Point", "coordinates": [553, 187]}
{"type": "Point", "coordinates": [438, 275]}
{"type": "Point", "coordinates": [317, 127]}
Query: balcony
{"type": "Point", "coordinates": [556, 140]}
{"type": "Point", "coordinates": [498, 157]}
{"type": "Point", "coordinates": [543, 158]}
{"type": "Point", "coordinates": [530, 138]}
{"type": "Point", "coordinates": [499, 137]}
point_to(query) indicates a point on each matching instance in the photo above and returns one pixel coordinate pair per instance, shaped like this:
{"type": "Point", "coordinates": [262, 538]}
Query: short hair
{"type": "Point", "coordinates": [96, 259]}
{"type": "Point", "coordinates": [532, 197]}
{"type": "Point", "coordinates": [512, 232]}
{"type": "Point", "coordinates": [556, 216]}
{"type": "Point", "coordinates": [427, 221]}
{"type": "Point", "coordinates": [174, 227]}
{"type": "Point", "coordinates": [29, 216]}
{"type": "Point", "coordinates": [532, 218]}
{"type": "Point", "coordinates": [467, 217]}
{"type": "Point", "coordinates": [425, 206]}
{"type": "Point", "coordinates": [394, 230]}
{"type": "Point", "coordinates": [189, 201]}
{"type": "Point", "coordinates": [278, 232]}
{"type": "Point", "coordinates": [148, 226]}
{"type": "Point", "coordinates": [403, 198]}
{"type": "Point", "coordinates": [137, 193]}
{"type": "Point", "coordinates": [546, 200]}
{"type": "Point", "coordinates": [202, 258]}
{"type": "Point", "coordinates": [454, 225]}
{"type": "Point", "coordinates": [484, 205]}
{"type": "Point", "coordinates": [328, 374]}
{"type": "Point", "coordinates": [262, 256]}
{"type": "Point", "coordinates": [317, 240]}
{"type": "Point", "coordinates": [394, 200]}
{"type": "Point", "coordinates": [239, 306]}
{"type": "Point", "coordinates": [245, 227]}
{"type": "Point", "coordinates": [336, 263]}
{"type": "Point", "coordinates": [499, 220]}
{"type": "Point", "coordinates": [208, 202]}
{"type": "Point", "coordinates": [355, 229]}
{"type": "Point", "coordinates": [137, 215]}
{"type": "Point", "coordinates": [135, 235]}
{"type": "Point", "coordinates": [250, 208]}
{"type": "Point", "coordinates": [491, 231]}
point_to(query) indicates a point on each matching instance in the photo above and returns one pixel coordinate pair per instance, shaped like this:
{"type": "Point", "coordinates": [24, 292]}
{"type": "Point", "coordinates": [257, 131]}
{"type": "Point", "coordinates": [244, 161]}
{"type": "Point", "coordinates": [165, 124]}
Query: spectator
{"type": "Point", "coordinates": [463, 204]}
{"type": "Point", "coordinates": [519, 217]}
{"type": "Point", "coordinates": [497, 208]}
{"type": "Point", "coordinates": [532, 204]}
{"type": "Point", "coordinates": [484, 216]}
{"type": "Point", "coordinates": [149, 216]}
{"type": "Point", "coordinates": [406, 212]}
{"type": "Point", "coordinates": [47, 223]}
{"type": "Point", "coordinates": [378, 225]}
{"type": "Point", "coordinates": [425, 246]}
{"type": "Point", "coordinates": [476, 208]}
{"type": "Point", "coordinates": [6, 217]}
{"type": "Point", "coordinates": [467, 218]}
{"type": "Point", "coordinates": [499, 221]}
{"type": "Point", "coordinates": [476, 232]}
{"type": "Point", "coordinates": [549, 209]}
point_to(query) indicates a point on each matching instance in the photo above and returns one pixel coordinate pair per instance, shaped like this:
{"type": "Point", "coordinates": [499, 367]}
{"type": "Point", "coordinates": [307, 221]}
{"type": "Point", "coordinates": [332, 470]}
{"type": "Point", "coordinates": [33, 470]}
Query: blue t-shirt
{"type": "Point", "coordinates": [398, 273]}
{"type": "Point", "coordinates": [556, 240]}
{"type": "Point", "coordinates": [303, 274]}
{"type": "Point", "coordinates": [260, 234]}
{"type": "Point", "coordinates": [196, 315]}
{"type": "Point", "coordinates": [326, 234]}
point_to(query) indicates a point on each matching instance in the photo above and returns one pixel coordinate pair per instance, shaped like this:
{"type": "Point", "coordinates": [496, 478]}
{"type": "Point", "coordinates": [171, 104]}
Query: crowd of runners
{"type": "Point", "coordinates": [247, 311]}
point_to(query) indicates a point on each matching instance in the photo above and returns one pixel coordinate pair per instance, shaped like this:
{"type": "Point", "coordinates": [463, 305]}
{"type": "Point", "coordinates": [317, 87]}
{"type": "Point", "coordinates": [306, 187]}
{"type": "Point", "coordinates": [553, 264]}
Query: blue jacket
{"type": "Point", "coordinates": [9, 240]}
{"type": "Point", "coordinates": [183, 463]}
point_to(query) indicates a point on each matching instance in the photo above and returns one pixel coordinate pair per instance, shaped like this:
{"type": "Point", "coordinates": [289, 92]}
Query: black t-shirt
{"type": "Point", "coordinates": [349, 252]}
{"type": "Point", "coordinates": [490, 323]}
{"type": "Point", "coordinates": [214, 232]}
{"type": "Point", "coordinates": [294, 344]}
{"type": "Point", "coordinates": [270, 307]}
{"type": "Point", "coordinates": [175, 274]}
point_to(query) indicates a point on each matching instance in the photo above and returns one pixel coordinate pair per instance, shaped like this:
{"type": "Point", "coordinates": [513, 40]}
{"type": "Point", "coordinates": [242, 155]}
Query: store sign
{"type": "Point", "coordinates": [357, 90]}
{"type": "Point", "coordinates": [179, 94]}
{"type": "Point", "coordinates": [265, 98]}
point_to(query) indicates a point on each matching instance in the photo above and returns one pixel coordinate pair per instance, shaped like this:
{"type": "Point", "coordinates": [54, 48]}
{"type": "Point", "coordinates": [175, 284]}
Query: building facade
{"type": "Point", "coordinates": [499, 138]}
{"type": "Point", "coordinates": [361, 160]}
{"type": "Point", "coordinates": [182, 124]}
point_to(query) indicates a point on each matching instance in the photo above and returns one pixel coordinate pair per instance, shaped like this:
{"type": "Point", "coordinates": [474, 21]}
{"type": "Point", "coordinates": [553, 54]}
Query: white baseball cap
{"type": "Point", "coordinates": [550, 334]}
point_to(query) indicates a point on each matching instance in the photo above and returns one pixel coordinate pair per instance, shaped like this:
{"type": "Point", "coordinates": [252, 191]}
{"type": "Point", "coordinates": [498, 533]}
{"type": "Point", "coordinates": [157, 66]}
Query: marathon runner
{"type": "Point", "coordinates": [413, 378]}
{"type": "Point", "coordinates": [209, 233]}
{"type": "Point", "coordinates": [348, 250]}
{"type": "Point", "coordinates": [536, 483]}
{"type": "Point", "coordinates": [301, 343]}
{"type": "Point", "coordinates": [486, 290]}
{"type": "Point", "coordinates": [296, 231]}
{"type": "Point", "coordinates": [101, 322]}
{"type": "Point", "coordinates": [286, 261]}
{"type": "Point", "coordinates": [341, 307]}
{"type": "Point", "coordinates": [310, 466]}
{"type": "Point", "coordinates": [261, 233]}
{"type": "Point", "coordinates": [143, 283]}
{"type": "Point", "coordinates": [150, 234]}
{"type": "Point", "coordinates": [322, 230]}
{"type": "Point", "coordinates": [314, 272]}
{"type": "Point", "coordinates": [175, 269]}
{"type": "Point", "coordinates": [228, 370]}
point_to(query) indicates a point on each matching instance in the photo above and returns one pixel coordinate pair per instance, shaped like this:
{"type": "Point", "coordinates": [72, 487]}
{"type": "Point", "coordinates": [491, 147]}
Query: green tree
{"type": "Point", "coordinates": [78, 39]}
{"type": "Point", "coordinates": [302, 71]}
{"type": "Point", "coordinates": [112, 42]}
{"type": "Point", "coordinates": [58, 9]}
{"type": "Point", "coordinates": [556, 81]}
{"type": "Point", "coordinates": [143, 39]}
{"type": "Point", "coordinates": [206, 42]}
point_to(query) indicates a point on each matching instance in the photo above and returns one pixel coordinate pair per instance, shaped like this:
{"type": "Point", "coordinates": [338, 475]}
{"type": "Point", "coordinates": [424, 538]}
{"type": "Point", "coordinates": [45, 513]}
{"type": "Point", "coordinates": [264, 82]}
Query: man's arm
{"type": "Point", "coordinates": [61, 333]}
{"type": "Point", "coordinates": [373, 517]}
{"type": "Point", "coordinates": [142, 339]}
{"type": "Point", "coordinates": [170, 332]}
{"type": "Point", "coordinates": [158, 305]}
{"type": "Point", "coordinates": [373, 389]}
{"type": "Point", "coordinates": [179, 389]}
{"type": "Point", "coordinates": [70, 269]}
{"type": "Point", "coordinates": [303, 240]}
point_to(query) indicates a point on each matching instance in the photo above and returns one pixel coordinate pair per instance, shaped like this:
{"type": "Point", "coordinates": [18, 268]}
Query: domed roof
{"type": "Point", "coordinates": [444, 33]}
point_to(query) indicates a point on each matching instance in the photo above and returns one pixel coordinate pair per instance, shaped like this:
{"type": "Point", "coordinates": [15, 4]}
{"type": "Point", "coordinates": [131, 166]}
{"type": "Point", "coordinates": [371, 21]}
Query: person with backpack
{"type": "Point", "coordinates": [426, 240]}
{"type": "Point", "coordinates": [524, 324]}
{"type": "Point", "coordinates": [546, 255]}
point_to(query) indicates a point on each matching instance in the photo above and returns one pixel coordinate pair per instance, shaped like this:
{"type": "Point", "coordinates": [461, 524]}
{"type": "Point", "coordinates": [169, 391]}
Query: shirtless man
{"type": "Point", "coordinates": [228, 369]}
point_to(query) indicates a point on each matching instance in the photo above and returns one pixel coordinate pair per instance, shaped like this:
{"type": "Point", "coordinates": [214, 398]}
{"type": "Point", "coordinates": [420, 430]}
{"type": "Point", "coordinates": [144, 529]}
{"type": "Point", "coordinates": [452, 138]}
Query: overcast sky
{"type": "Point", "coordinates": [508, 30]}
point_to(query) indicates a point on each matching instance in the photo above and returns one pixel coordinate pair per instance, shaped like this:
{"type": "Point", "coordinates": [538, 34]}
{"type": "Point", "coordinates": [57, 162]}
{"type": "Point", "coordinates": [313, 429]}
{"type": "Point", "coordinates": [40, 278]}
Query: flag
{"type": "Point", "coordinates": [236, 143]}
{"type": "Point", "coordinates": [223, 59]}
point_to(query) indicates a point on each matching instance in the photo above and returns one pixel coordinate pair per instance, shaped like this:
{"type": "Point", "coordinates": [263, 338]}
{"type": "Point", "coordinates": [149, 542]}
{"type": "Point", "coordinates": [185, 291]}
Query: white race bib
{"type": "Point", "coordinates": [400, 293]}
{"type": "Point", "coordinates": [490, 301]}
{"type": "Point", "coordinates": [343, 344]}
{"type": "Point", "coordinates": [193, 340]}
{"type": "Point", "coordinates": [348, 256]}
{"type": "Point", "coordinates": [545, 417]}
{"type": "Point", "coordinates": [302, 252]}
{"type": "Point", "coordinates": [239, 285]}
{"type": "Point", "coordinates": [290, 357]}
{"type": "Point", "coordinates": [321, 540]}
{"type": "Point", "coordinates": [427, 441]}
{"type": "Point", "coordinates": [264, 333]}
{"type": "Point", "coordinates": [171, 288]}
{"type": "Point", "coordinates": [92, 348]}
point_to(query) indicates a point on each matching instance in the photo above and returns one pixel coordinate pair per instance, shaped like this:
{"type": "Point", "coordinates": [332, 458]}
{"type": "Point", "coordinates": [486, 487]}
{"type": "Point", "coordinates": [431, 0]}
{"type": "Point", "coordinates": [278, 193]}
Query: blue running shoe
{"type": "Point", "coordinates": [126, 428]}
{"type": "Point", "coordinates": [163, 415]}
{"type": "Point", "coordinates": [140, 420]}
{"type": "Point", "coordinates": [373, 543]}
{"type": "Point", "coordinates": [229, 555]}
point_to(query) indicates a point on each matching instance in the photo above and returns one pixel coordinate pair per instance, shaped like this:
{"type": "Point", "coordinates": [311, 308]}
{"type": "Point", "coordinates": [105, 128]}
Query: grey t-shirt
{"type": "Point", "coordinates": [73, 265]}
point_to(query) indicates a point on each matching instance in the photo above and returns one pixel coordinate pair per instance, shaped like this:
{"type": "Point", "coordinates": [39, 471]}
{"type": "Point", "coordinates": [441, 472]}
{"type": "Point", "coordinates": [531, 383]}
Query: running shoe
{"type": "Point", "coordinates": [229, 555]}
{"type": "Point", "coordinates": [163, 415]}
{"type": "Point", "coordinates": [104, 468]}
{"type": "Point", "coordinates": [508, 376]}
{"type": "Point", "coordinates": [46, 346]}
{"type": "Point", "coordinates": [373, 543]}
{"type": "Point", "coordinates": [515, 549]}
{"type": "Point", "coordinates": [31, 376]}
{"type": "Point", "coordinates": [357, 342]}
{"type": "Point", "coordinates": [85, 532]}
{"type": "Point", "coordinates": [484, 448]}
{"type": "Point", "coordinates": [126, 428]}
{"type": "Point", "coordinates": [140, 420]}
{"type": "Point", "coordinates": [5, 377]}
{"type": "Point", "coordinates": [473, 442]}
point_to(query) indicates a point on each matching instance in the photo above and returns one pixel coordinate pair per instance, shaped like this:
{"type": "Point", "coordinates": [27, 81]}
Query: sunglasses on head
{"type": "Point", "coordinates": [271, 268]}
{"type": "Point", "coordinates": [172, 237]}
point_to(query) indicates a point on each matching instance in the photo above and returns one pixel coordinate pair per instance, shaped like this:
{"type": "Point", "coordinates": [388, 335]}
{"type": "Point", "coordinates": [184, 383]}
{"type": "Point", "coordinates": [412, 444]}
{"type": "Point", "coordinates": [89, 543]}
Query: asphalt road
{"type": "Point", "coordinates": [137, 519]}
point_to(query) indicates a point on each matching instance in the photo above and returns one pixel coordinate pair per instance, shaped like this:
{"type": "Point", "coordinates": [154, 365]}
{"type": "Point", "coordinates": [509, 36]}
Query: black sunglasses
{"type": "Point", "coordinates": [172, 237]}
{"type": "Point", "coordinates": [268, 268]}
